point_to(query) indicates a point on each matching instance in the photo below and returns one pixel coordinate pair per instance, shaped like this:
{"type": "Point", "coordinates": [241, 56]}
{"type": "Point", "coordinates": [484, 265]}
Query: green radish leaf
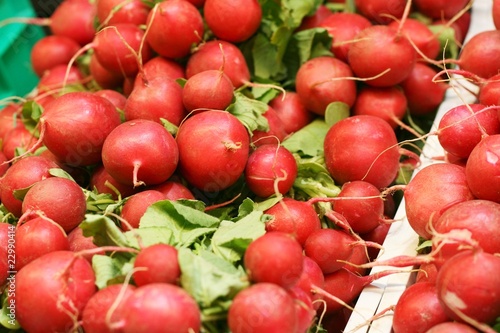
{"type": "Point", "coordinates": [30, 114]}
{"type": "Point", "coordinates": [313, 180]}
{"type": "Point", "coordinates": [336, 111]}
{"type": "Point", "coordinates": [104, 231]}
{"type": "Point", "coordinates": [308, 141]}
{"type": "Point", "coordinates": [250, 112]}
{"type": "Point", "coordinates": [149, 236]}
{"type": "Point", "coordinates": [110, 269]}
{"type": "Point", "coordinates": [58, 172]}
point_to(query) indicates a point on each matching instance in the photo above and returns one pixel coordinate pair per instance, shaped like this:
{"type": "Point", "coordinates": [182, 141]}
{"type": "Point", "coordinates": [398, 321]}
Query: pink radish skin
{"type": "Point", "coordinates": [217, 53]}
{"type": "Point", "coordinates": [137, 204]}
{"type": "Point", "coordinates": [167, 303]}
{"type": "Point", "coordinates": [489, 91]}
{"type": "Point", "coordinates": [174, 28]}
{"type": "Point", "coordinates": [314, 20]}
{"type": "Point", "coordinates": [312, 276]}
{"type": "Point", "coordinates": [270, 168]}
{"type": "Point", "coordinates": [6, 230]}
{"type": "Point", "coordinates": [431, 191]}
{"type": "Point", "coordinates": [174, 190]}
{"type": "Point", "coordinates": [482, 169]}
{"type": "Point", "coordinates": [419, 34]}
{"type": "Point", "coordinates": [283, 267]}
{"type": "Point", "coordinates": [157, 264]}
{"type": "Point", "coordinates": [392, 50]}
{"type": "Point", "coordinates": [102, 76]}
{"type": "Point", "coordinates": [52, 50]}
{"type": "Point", "coordinates": [18, 138]}
{"type": "Point", "coordinates": [295, 217]}
{"type": "Point", "coordinates": [304, 309]}
{"type": "Point", "coordinates": [276, 132]}
{"type": "Point", "coordinates": [461, 128]}
{"type": "Point", "coordinates": [418, 309]}
{"type": "Point", "coordinates": [9, 117]}
{"type": "Point", "coordinates": [210, 89]}
{"type": "Point", "coordinates": [233, 21]}
{"type": "Point", "coordinates": [37, 237]}
{"type": "Point", "coordinates": [376, 147]}
{"type": "Point", "coordinates": [291, 111]}
{"type": "Point", "coordinates": [115, 97]}
{"type": "Point", "coordinates": [440, 8]}
{"type": "Point", "coordinates": [381, 12]}
{"type": "Point", "coordinates": [496, 13]}
{"type": "Point", "coordinates": [324, 80]}
{"type": "Point", "coordinates": [377, 236]}
{"type": "Point", "coordinates": [110, 12]}
{"type": "Point", "coordinates": [78, 242]}
{"type": "Point", "coordinates": [68, 284]}
{"type": "Point", "coordinates": [451, 326]}
{"type": "Point", "coordinates": [108, 301]}
{"type": "Point", "coordinates": [263, 308]}
{"type": "Point", "coordinates": [155, 164]}
{"type": "Point", "coordinates": [52, 196]}
{"type": "Point", "coordinates": [224, 149]}
{"type": "Point", "coordinates": [427, 273]}
{"type": "Point", "coordinates": [74, 19]}
{"type": "Point", "coordinates": [460, 292]}
{"type": "Point", "coordinates": [54, 79]}
{"type": "Point", "coordinates": [481, 54]}
{"type": "Point", "coordinates": [75, 125]}
{"type": "Point", "coordinates": [102, 181]}
{"type": "Point", "coordinates": [160, 66]}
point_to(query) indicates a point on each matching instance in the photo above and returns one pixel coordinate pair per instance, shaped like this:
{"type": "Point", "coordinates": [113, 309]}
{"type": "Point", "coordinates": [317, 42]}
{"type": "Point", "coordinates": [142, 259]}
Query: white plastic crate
{"type": "Point", "coordinates": [401, 239]}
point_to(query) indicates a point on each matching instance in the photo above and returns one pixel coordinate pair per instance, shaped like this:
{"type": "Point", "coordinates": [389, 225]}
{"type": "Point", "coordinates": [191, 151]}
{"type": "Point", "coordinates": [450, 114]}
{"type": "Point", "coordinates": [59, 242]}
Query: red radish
{"type": "Point", "coordinates": [482, 169]}
{"type": "Point", "coordinates": [378, 236]}
{"type": "Point", "coordinates": [427, 272]}
{"type": "Point", "coordinates": [157, 263]}
{"type": "Point", "coordinates": [276, 133]}
{"type": "Point", "coordinates": [394, 53]}
{"type": "Point", "coordinates": [418, 309]}
{"type": "Point", "coordinates": [324, 80]}
{"type": "Point", "coordinates": [110, 12]}
{"type": "Point", "coordinates": [216, 54]}
{"type": "Point", "coordinates": [174, 28]}
{"type": "Point", "coordinates": [462, 127]}
{"type": "Point", "coordinates": [74, 126]}
{"type": "Point", "coordinates": [421, 36]}
{"type": "Point", "coordinates": [272, 305]}
{"type": "Point", "coordinates": [140, 161]}
{"type": "Point", "coordinates": [423, 94]}
{"type": "Point", "coordinates": [489, 91]}
{"type": "Point", "coordinates": [233, 21]}
{"type": "Point", "coordinates": [18, 138]}
{"type": "Point", "coordinates": [374, 144]}
{"type": "Point", "coordinates": [224, 150]}
{"type": "Point", "coordinates": [115, 97]}
{"type": "Point", "coordinates": [451, 326]}
{"type": "Point", "coordinates": [174, 190]}
{"type": "Point", "coordinates": [58, 77]}
{"type": "Point", "coordinates": [52, 50]}
{"type": "Point", "coordinates": [137, 204]}
{"type": "Point", "coordinates": [37, 237]}
{"type": "Point", "coordinates": [160, 66]}
{"type": "Point", "coordinates": [210, 89]}
{"type": "Point", "coordinates": [103, 313]}
{"type": "Point", "coordinates": [4, 165]}
{"type": "Point", "coordinates": [431, 191]}
{"type": "Point", "coordinates": [480, 55]}
{"type": "Point", "coordinates": [275, 257]}
{"type": "Point", "coordinates": [381, 12]}
{"type": "Point", "coordinates": [105, 78]}
{"type": "Point", "coordinates": [314, 20]}
{"type": "Point", "coordinates": [361, 204]}
{"type": "Point", "coordinates": [304, 309]}
{"type": "Point", "coordinates": [311, 277]}
{"type": "Point", "coordinates": [343, 27]}
{"type": "Point", "coordinates": [496, 13]}
{"type": "Point", "coordinates": [68, 283]}
{"type": "Point", "coordinates": [358, 257]}
{"type": "Point", "coordinates": [159, 98]}
{"type": "Point", "coordinates": [102, 182]}
{"type": "Point", "coordinates": [440, 8]}
{"type": "Point", "coordinates": [270, 169]}
{"type": "Point", "coordinates": [78, 242]}
{"type": "Point", "coordinates": [128, 85]}
{"type": "Point", "coordinates": [60, 199]}
{"type": "Point", "coordinates": [468, 287]}
{"type": "Point", "coordinates": [9, 118]}
{"type": "Point", "coordinates": [329, 248]}
{"type": "Point", "coordinates": [79, 175]}
{"type": "Point", "coordinates": [74, 19]}
{"type": "Point", "coordinates": [291, 111]}
{"type": "Point", "coordinates": [167, 303]}
{"type": "Point", "coordinates": [388, 103]}
{"type": "Point", "coordinates": [295, 217]}
{"type": "Point", "coordinates": [21, 175]}
{"type": "Point", "coordinates": [127, 48]}
{"type": "Point", "coordinates": [7, 237]}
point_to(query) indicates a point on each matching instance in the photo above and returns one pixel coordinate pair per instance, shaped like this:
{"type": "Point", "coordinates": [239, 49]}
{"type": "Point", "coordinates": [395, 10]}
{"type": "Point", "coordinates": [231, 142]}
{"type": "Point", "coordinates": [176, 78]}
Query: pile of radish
{"type": "Point", "coordinates": [235, 166]}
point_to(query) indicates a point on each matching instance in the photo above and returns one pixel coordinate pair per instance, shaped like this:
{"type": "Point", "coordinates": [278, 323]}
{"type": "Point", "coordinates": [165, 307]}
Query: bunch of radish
{"type": "Point", "coordinates": [228, 166]}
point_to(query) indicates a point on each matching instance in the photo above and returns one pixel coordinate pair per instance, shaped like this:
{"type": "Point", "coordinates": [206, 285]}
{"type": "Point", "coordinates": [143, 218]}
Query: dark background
{"type": "Point", "coordinates": [44, 8]}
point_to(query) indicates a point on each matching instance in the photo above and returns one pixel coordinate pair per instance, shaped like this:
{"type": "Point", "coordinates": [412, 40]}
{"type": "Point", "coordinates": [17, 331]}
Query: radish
{"type": "Point", "coordinates": [324, 80]}
{"type": "Point", "coordinates": [311, 277]}
{"type": "Point", "coordinates": [489, 91]}
{"type": "Point", "coordinates": [427, 272]}
{"type": "Point", "coordinates": [462, 127]}
{"type": "Point", "coordinates": [155, 164]}
{"type": "Point", "coordinates": [74, 19]}
{"type": "Point", "coordinates": [343, 27]}
{"type": "Point", "coordinates": [376, 147]}
{"type": "Point", "coordinates": [160, 66]}
{"type": "Point", "coordinates": [418, 309]}
{"type": "Point", "coordinates": [110, 12]}
{"type": "Point", "coordinates": [9, 118]}
{"type": "Point", "coordinates": [262, 308]}
{"type": "Point", "coordinates": [78, 242]}
{"type": "Point", "coordinates": [37, 237]}
{"type": "Point", "coordinates": [157, 263]}
{"type": "Point", "coordinates": [103, 313]}
{"type": "Point", "coordinates": [394, 53]}
{"type": "Point", "coordinates": [225, 148]}
{"type": "Point", "coordinates": [232, 21]}
{"type": "Point", "coordinates": [275, 257]}
{"type": "Point", "coordinates": [388, 103]}
{"type": "Point", "coordinates": [496, 13]}
{"type": "Point", "coordinates": [314, 20]}
{"type": "Point", "coordinates": [102, 182]}
{"type": "Point", "coordinates": [115, 97]}
{"type": "Point", "coordinates": [4, 164]}
{"type": "Point", "coordinates": [167, 303]}
{"type": "Point", "coordinates": [480, 54]}
{"type": "Point", "coordinates": [68, 283]}
{"type": "Point", "coordinates": [304, 309]}
{"type": "Point", "coordinates": [137, 204]}
{"type": "Point", "coordinates": [276, 132]}
{"type": "Point", "coordinates": [55, 79]}
{"type": "Point", "coordinates": [210, 89]}
{"type": "Point", "coordinates": [51, 197]}
{"type": "Point", "coordinates": [174, 27]}
{"type": "Point", "coordinates": [419, 33]}
{"type": "Point", "coordinates": [431, 191]}
{"type": "Point", "coordinates": [361, 204]}
{"type": "Point", "coordinates": [7, 237]}
{"type": "Point", "coordinates": [18, 138]}
{"type": "Point", "coordinates": [52, 50]}
{"type": "Point", "coordinates": [291, 111]}
{"type": "Point", "coordinates": [21, 175]}
{"type": "Point", "coordinates": [103, 77]}
{"type": "Point", "coordinates": [440, 8]}
{"type": "Point", "coordinates": [482, 170]}
{"type": "Point", "coordinates": [381, 12]}
{"type": "Point", "coordinates": [174, 190]}
{"type": "Point", "coordinates": [271, 169]}
{"type": "Point", "coordinates": [216, 54]}
{"type": "Point", "coordinates": [451, 326]}
{"type": "Point", "coordinates": [295, 217]}
{"type": "Point", "coordinates": [377, 236]}
{"type": "Point", "coordinates": [468, 287]}
{"type": "Point", "coordinates": [75, 125]}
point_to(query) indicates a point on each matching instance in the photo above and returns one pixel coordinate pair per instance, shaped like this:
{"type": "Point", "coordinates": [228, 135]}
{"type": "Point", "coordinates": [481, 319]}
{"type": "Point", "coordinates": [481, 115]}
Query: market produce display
{"type": "Point", "coordinates": [236, 165]}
